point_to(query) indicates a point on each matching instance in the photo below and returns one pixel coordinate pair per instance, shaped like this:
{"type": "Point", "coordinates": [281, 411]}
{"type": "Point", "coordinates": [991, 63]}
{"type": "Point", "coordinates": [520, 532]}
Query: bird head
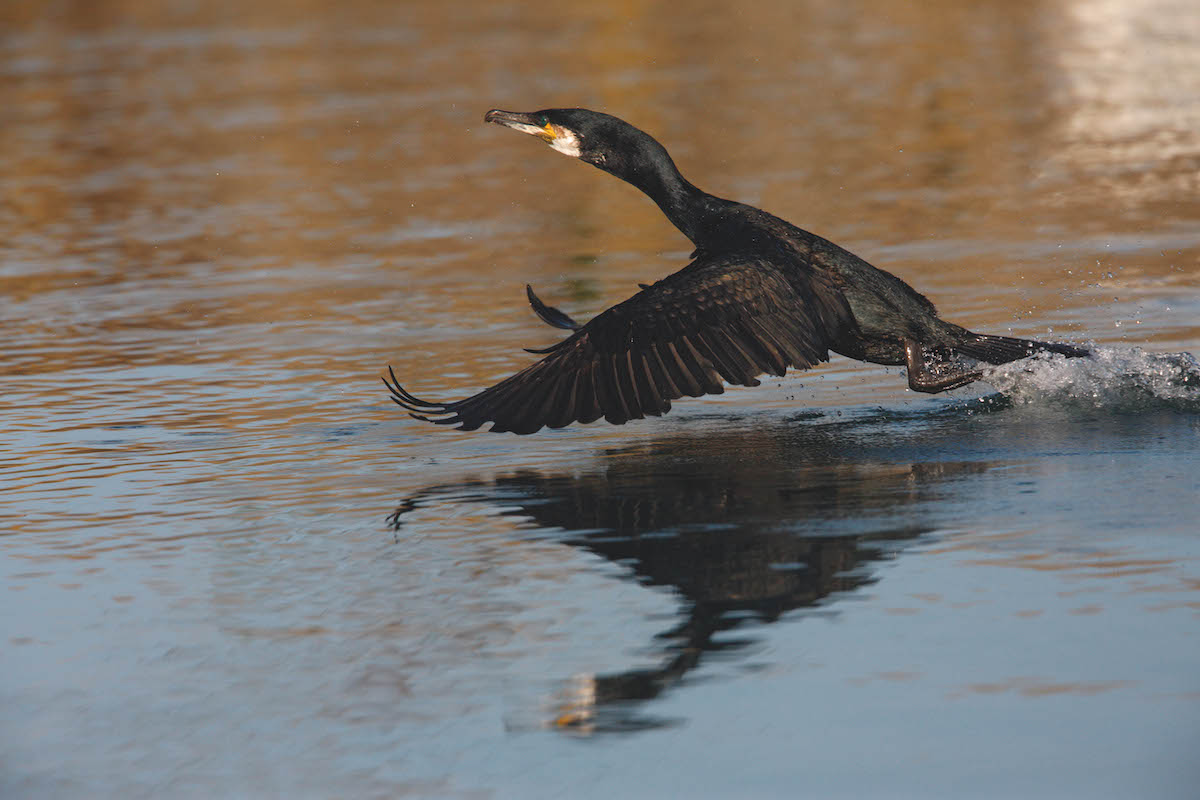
{"type": "Point", "coordinates": [601, 140]}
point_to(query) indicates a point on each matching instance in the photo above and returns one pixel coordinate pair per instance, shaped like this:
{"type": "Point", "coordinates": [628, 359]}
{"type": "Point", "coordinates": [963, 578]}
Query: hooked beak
{"type": "Point", "coordinates": [525, 123]}
{"type": "Point", "coordinates": [558, 137]}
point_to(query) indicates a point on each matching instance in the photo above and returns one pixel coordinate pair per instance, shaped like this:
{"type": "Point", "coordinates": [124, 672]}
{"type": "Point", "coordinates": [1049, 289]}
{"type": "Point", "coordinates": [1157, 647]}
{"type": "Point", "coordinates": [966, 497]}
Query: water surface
{"type": "Point", "coordinates": [232, 568]}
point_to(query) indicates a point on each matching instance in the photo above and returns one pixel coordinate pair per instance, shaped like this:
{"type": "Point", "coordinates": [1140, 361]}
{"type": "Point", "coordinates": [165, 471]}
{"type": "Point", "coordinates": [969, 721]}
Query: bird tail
{"type": "Point", "coordinates": [1003, 349]}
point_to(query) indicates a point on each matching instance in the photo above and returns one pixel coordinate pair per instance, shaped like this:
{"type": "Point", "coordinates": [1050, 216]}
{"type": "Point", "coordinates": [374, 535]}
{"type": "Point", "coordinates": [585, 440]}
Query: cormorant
{"type": "Point", "coordinates": [760, 296]}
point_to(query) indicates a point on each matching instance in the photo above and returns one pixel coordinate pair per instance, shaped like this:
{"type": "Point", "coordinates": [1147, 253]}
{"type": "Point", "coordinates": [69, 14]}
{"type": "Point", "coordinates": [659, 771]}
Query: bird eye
{"type": "Point", "coordinates": [543, 120]}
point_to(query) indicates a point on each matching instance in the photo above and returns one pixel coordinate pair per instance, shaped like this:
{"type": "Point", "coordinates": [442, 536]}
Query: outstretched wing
{"type": "Point", "coordinates": [719, 318]}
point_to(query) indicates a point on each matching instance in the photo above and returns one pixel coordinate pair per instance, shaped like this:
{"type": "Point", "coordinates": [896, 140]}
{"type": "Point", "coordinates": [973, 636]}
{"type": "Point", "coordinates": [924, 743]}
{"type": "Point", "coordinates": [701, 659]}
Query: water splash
{"type": "Point", "coordinates": [1114, 379]}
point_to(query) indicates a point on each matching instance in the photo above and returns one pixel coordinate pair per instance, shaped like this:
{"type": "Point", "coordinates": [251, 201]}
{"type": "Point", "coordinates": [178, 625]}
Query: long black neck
{"type": "Point", "coordinates": [692, 210]}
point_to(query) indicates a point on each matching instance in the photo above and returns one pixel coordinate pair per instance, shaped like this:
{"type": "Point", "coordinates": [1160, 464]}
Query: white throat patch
{"type": "Point", "coordinates": [565, 142]}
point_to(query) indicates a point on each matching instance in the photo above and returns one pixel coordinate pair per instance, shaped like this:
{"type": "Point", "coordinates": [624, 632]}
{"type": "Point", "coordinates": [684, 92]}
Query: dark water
{"type": "Point", "coordinates": [231, 568]}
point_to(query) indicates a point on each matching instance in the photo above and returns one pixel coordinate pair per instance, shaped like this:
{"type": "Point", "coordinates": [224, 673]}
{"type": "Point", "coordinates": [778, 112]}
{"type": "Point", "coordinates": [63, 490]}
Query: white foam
{"type": "Point", "coordinates": [1114, 379]}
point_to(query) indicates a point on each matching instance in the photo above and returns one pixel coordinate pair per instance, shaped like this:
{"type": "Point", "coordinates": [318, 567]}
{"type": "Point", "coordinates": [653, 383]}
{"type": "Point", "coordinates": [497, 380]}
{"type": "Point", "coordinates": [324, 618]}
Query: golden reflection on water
{"type": "Point", "coordinates": [220, 221]}
{"type": "Point", "coordinates": [230, 219]}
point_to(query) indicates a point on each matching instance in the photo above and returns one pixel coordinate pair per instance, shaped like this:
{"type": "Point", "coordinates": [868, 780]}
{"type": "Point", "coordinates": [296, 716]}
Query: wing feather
{"type": "Point", "coordinates": [772, 334]}
{"type": "Point", "coordinates": [566, 412]}
{"type": "Point", "coordinates": [688, 376]}
{"type": "Point", "coordinates": [588, 408]}
{"type": "Point", "coordinates": [767, 350]}
{"type": "Point", "coordinates": [648, 384]}
{"type": "Point", "coordinates": [720, 318]}
{"type": "Point", "coordinates": [648, 396]}
{"type": "Point", "coordinates": [662, 374]}
{"type": "Point", "coordinates": [701, 367]}
{"type": "Point", "coordinates": [625, 384]}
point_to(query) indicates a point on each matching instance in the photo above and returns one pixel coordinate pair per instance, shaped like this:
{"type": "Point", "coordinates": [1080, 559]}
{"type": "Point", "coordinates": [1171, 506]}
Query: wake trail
{"type": "Point", "coordinates": [1120, 380]}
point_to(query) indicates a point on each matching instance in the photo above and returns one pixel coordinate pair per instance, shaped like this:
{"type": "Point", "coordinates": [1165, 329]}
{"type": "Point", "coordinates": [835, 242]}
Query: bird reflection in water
{"type": "Point", "coordinates": [744, 527]}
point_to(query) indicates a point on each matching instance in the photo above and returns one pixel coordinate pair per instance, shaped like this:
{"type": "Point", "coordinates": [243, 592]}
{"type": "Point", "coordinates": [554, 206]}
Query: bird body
{"type": "Point", "coordinates": [760, 295]}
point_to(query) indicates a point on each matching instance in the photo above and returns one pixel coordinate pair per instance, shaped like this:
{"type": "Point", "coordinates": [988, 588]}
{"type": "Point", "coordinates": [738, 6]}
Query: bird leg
{"type": "Point", "coordinates": [946, 376]}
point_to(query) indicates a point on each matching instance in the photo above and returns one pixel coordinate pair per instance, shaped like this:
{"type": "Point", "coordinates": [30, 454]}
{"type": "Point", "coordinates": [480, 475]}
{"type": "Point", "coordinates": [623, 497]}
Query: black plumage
{"type": "Point", "coordinates": [760, 296]}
